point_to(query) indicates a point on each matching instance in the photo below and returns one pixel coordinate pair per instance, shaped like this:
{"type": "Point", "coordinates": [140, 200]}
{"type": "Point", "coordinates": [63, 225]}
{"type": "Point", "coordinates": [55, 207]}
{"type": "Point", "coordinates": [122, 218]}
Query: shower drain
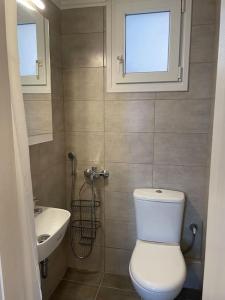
{"type": "Point", "coordinates": [42, 238]}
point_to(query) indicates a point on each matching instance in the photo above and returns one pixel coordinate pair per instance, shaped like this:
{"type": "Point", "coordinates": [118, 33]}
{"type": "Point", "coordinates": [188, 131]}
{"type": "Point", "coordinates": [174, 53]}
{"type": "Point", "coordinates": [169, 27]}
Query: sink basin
{"type": "Point", "coordinates": [50, 225]}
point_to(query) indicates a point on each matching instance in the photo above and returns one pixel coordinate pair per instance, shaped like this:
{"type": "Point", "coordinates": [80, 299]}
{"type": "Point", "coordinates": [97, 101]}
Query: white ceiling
{"type": "Point", "coordinates": [66, 4]}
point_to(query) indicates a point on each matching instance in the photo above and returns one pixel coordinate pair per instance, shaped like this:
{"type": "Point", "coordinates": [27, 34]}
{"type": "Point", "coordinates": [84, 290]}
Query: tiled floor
{"type": "Point", "coordinates": [96, 286]}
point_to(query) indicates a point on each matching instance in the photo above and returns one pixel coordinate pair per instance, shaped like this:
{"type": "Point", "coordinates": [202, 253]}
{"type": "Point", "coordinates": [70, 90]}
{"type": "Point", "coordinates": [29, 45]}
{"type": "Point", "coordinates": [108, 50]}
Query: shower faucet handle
{"type": "Point", "coordinates": [104, 173]}
{"type": "Point", "coordinates": [93, 172]}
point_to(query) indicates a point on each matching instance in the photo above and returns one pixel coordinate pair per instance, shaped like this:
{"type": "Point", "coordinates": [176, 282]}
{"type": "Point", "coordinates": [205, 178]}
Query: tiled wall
{"type": "Point", "coordinates": [48, 159]}
{"type": "Point", "coordinates": [38, 108]}
{"type": "Point", "coordinates": [143, 139]}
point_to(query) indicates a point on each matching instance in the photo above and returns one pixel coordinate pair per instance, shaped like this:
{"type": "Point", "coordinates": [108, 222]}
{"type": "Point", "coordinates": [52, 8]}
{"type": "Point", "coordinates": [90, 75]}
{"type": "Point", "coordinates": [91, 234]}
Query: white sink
{"type": "Point", "coordinates": [50, 224]}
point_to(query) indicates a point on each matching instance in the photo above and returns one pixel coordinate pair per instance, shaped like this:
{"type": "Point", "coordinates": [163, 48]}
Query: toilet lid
{"type": "Point", "coordinates": [157, 267]}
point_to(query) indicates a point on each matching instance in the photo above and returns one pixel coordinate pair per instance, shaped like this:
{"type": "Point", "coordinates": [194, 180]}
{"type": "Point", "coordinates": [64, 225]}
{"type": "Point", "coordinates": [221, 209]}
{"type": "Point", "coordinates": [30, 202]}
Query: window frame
{"type": "Point", "coordinates": [33, 84]}
{"type": "Point", "coordinates": [177, 79]}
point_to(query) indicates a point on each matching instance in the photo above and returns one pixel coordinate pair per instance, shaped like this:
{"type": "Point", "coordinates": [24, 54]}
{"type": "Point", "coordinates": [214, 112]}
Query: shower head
{"type": "Point", "coordinates": [71, 155]}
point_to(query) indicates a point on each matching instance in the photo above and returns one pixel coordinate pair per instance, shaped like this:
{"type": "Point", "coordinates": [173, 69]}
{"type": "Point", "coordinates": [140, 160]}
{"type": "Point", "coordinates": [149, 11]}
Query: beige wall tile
{"type": "Point", "coordinates": [56, 49]}
{"type": "Point", "coordinates": [203, 46]}
{"type": "Point", "coordinates": [181, 149]}
{"type": "Point", "coordinates": [201, 83]}
{"type": "Point", "coordinates": [58, 115]}
{"type": "Point", "coordinates": [129, 147]}
{"type": "Point", "coordinates": [129, 96]}
{"type": "Point", "coordinates": [190, 179]}
{"type": "Point", "coordinates": [84, 116]}
{"type": "Point", "coordinates": [37, 97]}
{"type": "Point", "coordinates": [204, 11]}
{"type": "Point", "coordinates": [127, 177]}
{"type": "Point", "coordinates": [38, 116]}
{"type": "Point", "coordinates": [119, 206]}
{"type": "Point", "coordinates": [34, 152]}
{"type": "Point", "coordinates": [117, 261]}
{"type": "Point", "coordinates": [53, 14]}
{"type": "Point", "coordinates": [52, 184]}
{"type": "Point", "coordinates": [119, 234]}
{"type": "Point", "coordinates": [182, 116]}
{"type": "Point", "coordinates": [52, 153]}
{"type": "Point", "coordinates": [82, 20]}
{"type": "Point", "coordinates": [82, 50]}
{"type": "Point", "coordinates": [88, 147]}
{"type": "Point", "coordinates": [83, 84]}
{"type": "Point", "coordinates": [129, 116]}
{"type": "Point", "coordinates": [56, 82]}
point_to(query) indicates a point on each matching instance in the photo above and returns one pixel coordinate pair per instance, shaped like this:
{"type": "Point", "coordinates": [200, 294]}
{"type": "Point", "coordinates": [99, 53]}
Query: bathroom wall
{"type": "Point", "coordinates": [48, 159]}
{"type": "Point", "coordinates": [143, 139]}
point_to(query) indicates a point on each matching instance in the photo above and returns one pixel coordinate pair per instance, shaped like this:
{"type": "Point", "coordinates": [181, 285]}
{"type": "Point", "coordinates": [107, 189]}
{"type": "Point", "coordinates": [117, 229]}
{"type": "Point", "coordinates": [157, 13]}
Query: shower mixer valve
{"type": "Point", "coordinates": [94, 173]}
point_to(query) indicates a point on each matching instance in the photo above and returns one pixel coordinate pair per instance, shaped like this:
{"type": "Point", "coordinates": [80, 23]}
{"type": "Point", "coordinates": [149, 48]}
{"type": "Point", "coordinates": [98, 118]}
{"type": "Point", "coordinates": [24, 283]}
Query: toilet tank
{"type": "Point", "coordinates": [159, 215]}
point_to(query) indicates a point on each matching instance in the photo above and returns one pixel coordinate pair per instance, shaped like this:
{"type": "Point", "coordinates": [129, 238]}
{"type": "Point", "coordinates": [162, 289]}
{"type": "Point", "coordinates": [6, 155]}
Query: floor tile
{"type": "Point", "coordinates": [116, 294]}
{"type": "Point", "coordinates": [189, 294]}
{"type": "Point", "coordinates": [117, 281]}
{"type": "Point", "coordinates": [73, 291]}
{"type": "Point", "coordinates": [89, 278]}
{"type": "Point", "coordinates": [84, 286]}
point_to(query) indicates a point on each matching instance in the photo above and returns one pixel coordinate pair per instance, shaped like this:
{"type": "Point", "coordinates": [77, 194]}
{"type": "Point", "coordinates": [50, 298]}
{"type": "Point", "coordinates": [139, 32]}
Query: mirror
{"type": "Point", "coordinates": [35, 72]}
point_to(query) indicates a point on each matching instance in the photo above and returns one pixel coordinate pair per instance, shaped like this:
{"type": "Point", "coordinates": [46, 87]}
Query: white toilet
{"type": "Point", "coordinates": [157, 268]}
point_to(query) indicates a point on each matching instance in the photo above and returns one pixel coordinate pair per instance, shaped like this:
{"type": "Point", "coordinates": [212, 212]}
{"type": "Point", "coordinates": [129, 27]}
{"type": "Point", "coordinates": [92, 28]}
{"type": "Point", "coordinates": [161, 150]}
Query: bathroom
{"type": "Point", "coordinates": [85, 131]}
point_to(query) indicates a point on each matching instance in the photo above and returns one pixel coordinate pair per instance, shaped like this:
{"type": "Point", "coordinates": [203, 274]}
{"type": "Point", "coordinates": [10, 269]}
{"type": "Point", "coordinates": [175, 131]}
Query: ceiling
{"type": "Point", "coordinates": [66, 4]}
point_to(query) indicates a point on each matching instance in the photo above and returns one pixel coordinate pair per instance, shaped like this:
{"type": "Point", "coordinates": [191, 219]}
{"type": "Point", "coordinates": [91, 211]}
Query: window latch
{"type": "Point", "coordinates": [38, 65]}
{"type": "Point", "coordinates": [121, 62]}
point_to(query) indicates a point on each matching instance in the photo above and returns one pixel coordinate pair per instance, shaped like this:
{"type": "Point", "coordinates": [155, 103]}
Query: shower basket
{"type": "Point", "coordinates": [85, 212]}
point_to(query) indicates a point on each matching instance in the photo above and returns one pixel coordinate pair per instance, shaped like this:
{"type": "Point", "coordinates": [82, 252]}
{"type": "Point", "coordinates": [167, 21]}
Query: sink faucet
{"type": "Point", "coordinates": [37, 210]}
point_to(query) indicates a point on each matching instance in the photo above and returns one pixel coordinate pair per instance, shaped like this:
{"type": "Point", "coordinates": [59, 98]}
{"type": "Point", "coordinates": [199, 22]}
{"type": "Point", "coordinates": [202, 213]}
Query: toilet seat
{"type": "Point", "coordinates": [158, 268]}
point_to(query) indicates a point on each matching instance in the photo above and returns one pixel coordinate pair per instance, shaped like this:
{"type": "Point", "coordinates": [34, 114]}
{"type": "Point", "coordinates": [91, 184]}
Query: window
{"type": "Point", "coordinates": [27, 43]}
{"type": "Point", "coordinates": [143, 31]}
{"type": "Point", "coordinates": [148, 45]}
{"type": "Point", "coordinates": [33, 47]}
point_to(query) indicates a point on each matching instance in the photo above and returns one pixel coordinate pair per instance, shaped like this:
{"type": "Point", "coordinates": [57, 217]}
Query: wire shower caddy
{"type": "Point", "coordinates": [85, 211]}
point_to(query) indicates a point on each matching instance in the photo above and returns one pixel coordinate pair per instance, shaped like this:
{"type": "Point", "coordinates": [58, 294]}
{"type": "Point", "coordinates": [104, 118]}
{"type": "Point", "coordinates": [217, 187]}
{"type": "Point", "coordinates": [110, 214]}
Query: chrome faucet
{"type": "Point", "coordinates": [94, 173]}
{"type": "Point", "coordinates": [37, 210]}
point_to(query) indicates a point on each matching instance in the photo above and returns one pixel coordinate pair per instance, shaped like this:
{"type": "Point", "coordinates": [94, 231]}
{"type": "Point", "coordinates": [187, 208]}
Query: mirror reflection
{"type": "Point", "coordinates": [35, 72]}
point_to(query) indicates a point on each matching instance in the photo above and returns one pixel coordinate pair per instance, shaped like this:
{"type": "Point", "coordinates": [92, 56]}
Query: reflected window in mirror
{"type": "Point", "coordinates": [33, 47]}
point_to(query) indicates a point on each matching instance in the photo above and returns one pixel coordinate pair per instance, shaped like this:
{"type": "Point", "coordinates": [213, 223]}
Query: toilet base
{"type": "Point", "coordinates": [152, 295]}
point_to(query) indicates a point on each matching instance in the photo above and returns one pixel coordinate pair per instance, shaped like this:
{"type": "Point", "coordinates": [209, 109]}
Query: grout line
{"type": "Point", "coordinates": [119, 289]}
{"type": "Point", "coordinates": [136, 132]}
{"type": "Point", "coordinates": [204, 24]}
{"type": "Point", "coordinates": [80, 282]}
{"type": "Point", "coordinates": [99, 287]}
{"type": "Point", "coordinates": [155, 164]}
{"type": "Point", "coordinates": [74, 34]}
{"type": "Point", "coordinates": [73, 99]}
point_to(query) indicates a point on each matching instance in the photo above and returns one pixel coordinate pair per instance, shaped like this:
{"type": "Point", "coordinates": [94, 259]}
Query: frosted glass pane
{"type": "Point", "coordinates": [147, 42]}
{"type": "Point", "coordinates": [27, 43]}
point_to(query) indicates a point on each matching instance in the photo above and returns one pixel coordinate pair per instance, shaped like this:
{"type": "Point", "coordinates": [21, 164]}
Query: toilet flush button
{"type": "Point", "coordinates": [158, 191]}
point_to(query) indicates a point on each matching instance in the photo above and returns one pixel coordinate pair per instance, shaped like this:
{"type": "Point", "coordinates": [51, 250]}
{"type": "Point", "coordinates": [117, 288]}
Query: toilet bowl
{"type": "Point", "coordinates": [157, 271]}
{"type": "Point", "coordinates": [157, 267]}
